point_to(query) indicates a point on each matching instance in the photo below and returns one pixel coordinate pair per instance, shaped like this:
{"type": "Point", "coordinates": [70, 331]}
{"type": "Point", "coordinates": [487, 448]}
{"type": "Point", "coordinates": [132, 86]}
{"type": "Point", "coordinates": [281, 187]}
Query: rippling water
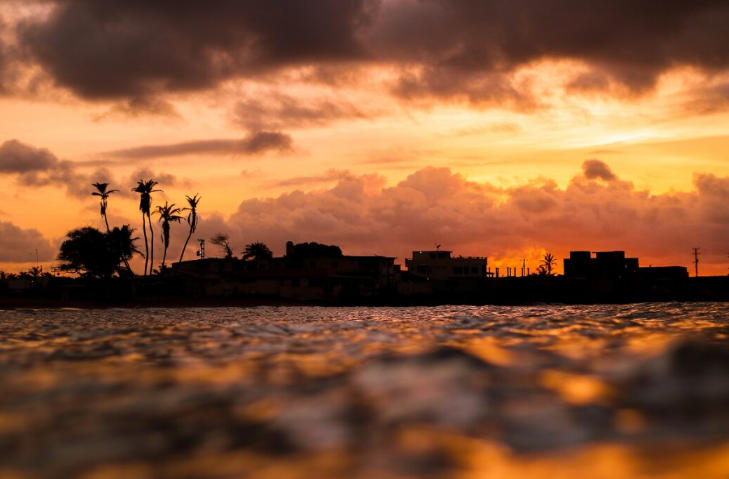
{"type": "Point", "coordinates": [305, 392]}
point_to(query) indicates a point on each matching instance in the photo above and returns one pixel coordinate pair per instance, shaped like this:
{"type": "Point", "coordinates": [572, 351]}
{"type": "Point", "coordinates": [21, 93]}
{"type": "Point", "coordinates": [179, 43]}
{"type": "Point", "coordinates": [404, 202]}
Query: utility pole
{"type": "Point", "coordinates": [696, 261]}
{"type": "Point", "coordinates": [201, 254]}
{"type": "Point", "coordinates": [201, 251]}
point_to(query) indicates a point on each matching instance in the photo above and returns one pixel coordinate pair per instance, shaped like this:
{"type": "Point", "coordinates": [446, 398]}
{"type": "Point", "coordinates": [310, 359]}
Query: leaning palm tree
{"type": "Point", "coordinates": [257, 251]}
{"type": "Point", "coordinates": [223, 240]}
{"type": "Point", "coordinates": [191, 219]}
{"type": "Point", "coordinates": [101, 190]}
{"type": "Point", "coordinates": [167, 214]}
{"type": "Point", "coordinates": [145, 190]}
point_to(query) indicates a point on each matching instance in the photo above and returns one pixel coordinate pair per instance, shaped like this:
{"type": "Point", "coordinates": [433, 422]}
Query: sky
{"type": "Point", "coordinates": [492, 128]}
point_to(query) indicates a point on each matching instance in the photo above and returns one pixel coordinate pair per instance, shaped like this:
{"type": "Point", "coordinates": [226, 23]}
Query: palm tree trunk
{"type": "Point", "coordinates": [185, 247]}
{"type": "Point", "coordinates": [106, 220]}
{"type": "Point", "coordinates": [151, 241]}
{"type": "Point", "coordinates": [146, 245]}
{"type": "Point", "coordinates": [164, 255]}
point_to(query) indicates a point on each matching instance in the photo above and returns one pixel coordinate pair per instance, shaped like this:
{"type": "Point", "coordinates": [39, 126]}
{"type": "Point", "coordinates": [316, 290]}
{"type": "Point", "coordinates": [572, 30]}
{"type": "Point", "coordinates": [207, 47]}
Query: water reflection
{"type": "Point", "coordinates": [572, 391]}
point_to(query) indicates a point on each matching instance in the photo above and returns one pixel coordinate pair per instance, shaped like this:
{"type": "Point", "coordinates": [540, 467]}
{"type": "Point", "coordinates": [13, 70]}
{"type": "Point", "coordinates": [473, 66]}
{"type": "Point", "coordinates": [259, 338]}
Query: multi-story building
{"type": "Point", "coordinates": [614, 265]}
{"type": "Point", "coordinates": [603, 265]}
{"type": "Point", "coordinates": [440, 264]}
{"type": "Point", "coordinates": [307, 271]}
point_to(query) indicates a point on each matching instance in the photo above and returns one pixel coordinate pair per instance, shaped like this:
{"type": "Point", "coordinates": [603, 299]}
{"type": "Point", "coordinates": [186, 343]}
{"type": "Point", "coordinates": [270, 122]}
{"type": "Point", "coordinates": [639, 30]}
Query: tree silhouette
{"type": "Point", "coordinates": [167, 214]}
{"type": "Point", "coordinates": [145, 190]}
{"type": "Point", "coordinates": [547, 265]}
{"type": "Point", "coordinates": [91, 253]}
{"type": "Point", "coordinates": [257, 250]}
{"type": "Point", "coordinates": [103, 193]}
{"type": "Point", "coordinates": [191, 219]}
{"type": "Point", "coordinates": [223, 240]}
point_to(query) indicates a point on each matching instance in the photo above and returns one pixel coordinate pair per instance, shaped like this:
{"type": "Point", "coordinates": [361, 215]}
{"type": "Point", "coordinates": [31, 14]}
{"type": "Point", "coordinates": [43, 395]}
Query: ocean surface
{"type": "Point", "coordinates": [619, 391]}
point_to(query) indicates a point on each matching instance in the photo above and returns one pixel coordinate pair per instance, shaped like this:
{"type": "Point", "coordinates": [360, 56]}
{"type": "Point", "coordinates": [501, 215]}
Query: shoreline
{"type": "Point", "coordinates": [11, 304]}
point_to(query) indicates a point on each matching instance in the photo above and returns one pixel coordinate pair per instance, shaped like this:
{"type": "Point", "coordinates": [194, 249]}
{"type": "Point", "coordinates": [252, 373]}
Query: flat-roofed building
{"type": "Point", "coordinates": [440, 264]}
{"type": "Point", "coordinates": [600, 265]}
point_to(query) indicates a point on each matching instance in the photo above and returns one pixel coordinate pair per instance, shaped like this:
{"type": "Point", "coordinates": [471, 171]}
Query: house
{"type": "Point", "coordinates": [308, 271]}
{"type": "Point", "coordinates": [600, 265]}
{"type": "Point", "coordinates": [614, 265]}
{"type": "Point", "coordinates": [441, 265]}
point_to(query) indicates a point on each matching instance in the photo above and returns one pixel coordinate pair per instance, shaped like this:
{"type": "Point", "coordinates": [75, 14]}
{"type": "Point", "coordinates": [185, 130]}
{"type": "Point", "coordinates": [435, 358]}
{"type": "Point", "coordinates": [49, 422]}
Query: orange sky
{"type": "Point", "coordinates": [381, 126]}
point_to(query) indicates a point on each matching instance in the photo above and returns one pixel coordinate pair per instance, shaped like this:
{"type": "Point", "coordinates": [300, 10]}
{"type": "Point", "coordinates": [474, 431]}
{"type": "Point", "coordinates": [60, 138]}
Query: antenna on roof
{"type": "Point", "coordinates": [437, 246]}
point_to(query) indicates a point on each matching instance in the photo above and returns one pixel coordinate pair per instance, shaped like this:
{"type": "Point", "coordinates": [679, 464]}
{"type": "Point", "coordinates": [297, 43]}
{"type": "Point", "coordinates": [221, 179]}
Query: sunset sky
{"type": "Point", "coordinates": [494, 128]}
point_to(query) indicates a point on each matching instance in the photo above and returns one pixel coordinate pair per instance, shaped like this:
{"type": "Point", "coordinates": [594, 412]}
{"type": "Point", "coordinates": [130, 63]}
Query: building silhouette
{"type": "Point", "coordinates": [614, 265]}
{"type": "Point", "coordinates": [441, 265]}
{"type": "Point", "coordinates": [308, 271]}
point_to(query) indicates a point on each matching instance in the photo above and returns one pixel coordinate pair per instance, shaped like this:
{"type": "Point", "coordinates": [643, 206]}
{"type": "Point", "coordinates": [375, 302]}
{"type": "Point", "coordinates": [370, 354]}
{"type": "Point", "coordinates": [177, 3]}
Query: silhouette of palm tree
{"type": "Point", "coordinates": [103, 193]}
{"type": "Point", "coordinates": [191, 219]}
{"type": "Point", "coordinates": [145, 190]}
{"type": "Point", "coordinates": [547, 264]}
{"type": "Point", "coordinates": [122, 243]}
{"type": "Point", "coordinates": [167, 213]}
{"type": "Point", "coordinates": [256, 251]}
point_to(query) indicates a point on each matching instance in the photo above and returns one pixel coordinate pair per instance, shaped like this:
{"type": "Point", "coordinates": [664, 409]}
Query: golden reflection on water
{"type": "Point", "coordinates": [632, 391]}
{"type": "Point", "coordinates": [604, 461]}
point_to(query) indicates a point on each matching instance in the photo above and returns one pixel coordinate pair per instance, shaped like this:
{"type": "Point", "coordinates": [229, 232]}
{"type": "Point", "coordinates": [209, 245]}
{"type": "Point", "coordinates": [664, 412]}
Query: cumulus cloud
{"type": "Point", "coordinates": [596, 169]}
{"type": "Point", "coordinates": [254, 144]}
{"type": "Point", "coordinates": [596, 211]}
{"type": "Point", "coordinates": [18, 245]}
{"type": "Point", "coordinates": [432, 205]}
{"type": "Point", "coordinates": [441, 48]}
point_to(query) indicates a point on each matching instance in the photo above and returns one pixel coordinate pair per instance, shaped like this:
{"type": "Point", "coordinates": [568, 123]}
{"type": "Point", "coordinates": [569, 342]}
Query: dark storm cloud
{"type": "Point", "coordinates": [105, 49]}
{"type": "Point", "coordinates": [37, 167]}
{"type": "Point", "coordinates": [256, 143]}
{"type": "Point", "coordinates": [136, 49]}
{"type": "Point", "coordinates": [16, 157]}
{"type": "Point", "coordinates": [630, 41]}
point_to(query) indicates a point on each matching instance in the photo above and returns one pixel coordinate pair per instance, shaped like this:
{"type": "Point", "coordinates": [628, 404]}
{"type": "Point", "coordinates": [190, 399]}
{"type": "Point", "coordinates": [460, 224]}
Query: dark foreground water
{"type": "Point", "coordinates": [467, 392]}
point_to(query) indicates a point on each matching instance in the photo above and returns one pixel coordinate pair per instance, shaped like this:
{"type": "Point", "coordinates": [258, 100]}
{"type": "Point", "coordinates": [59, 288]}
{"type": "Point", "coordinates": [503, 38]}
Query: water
{"type": "Point", "coordinates": [303, 392]}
